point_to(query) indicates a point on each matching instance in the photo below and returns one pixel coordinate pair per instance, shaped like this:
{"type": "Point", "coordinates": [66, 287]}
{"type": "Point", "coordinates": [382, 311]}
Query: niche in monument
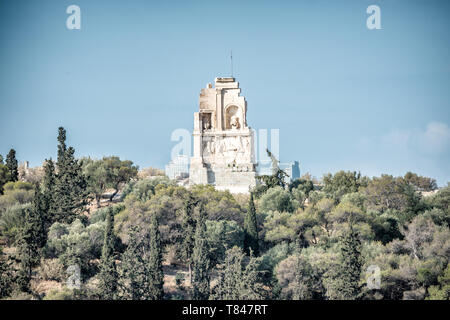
{"type": "Point", "coordinates": [206, 121]}
{"type": "Point", "coordinates": [233, 118]}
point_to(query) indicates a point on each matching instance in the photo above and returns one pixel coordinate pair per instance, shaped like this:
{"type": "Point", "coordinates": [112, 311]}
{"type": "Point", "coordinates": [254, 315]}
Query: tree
{"type": "Point", "coordinates": [97, 178]}
{"type": "Point", "coordinates": [200, 259]}
{"type": "Point", "coordinates": [276, 199]}
{"type": "Point", "coordinates": [307, 283]}
{"type": "Point", "coordinates": [109, 172]}
{"type": "Point", "coordinates": [302, 184]}
{"type": "Point", "coordinates": [4, 176]}
{"type": "Point", "coordinates": [346, 285]}
{"type": "Point", "coordinates": [298, 279]}
{"type": "Point", "coordinates": [119, 172]}
{"type": "Point", "coordinates": [420, 183]}
{"type": "Point", "coordinates": [441, 291]}
{"type": "Point", "coordinates": [29, 247]}
{"type": "Point", "coordinates": [251, 229]}
{"type": "Point", "coordinates": [238, 280]}
{"type": "Point", "coordinates": [155, 272]}
{"type": "Point", "coordinates": [48, 192]}
{"type": "Point", "coordinates": [40, 218]}
{"type": "Point", "coordinates": [11, 164]}
{"type": "Point", "coordinates": [1, 159]}
{"type": "Point", "coordinates": [341, 183]}
{"type": "Point", "coordinates": [141, 276]}
{"type": "Point", "coordinates": [276, 179]}
{"type": "Point", "coordinates": [386, 192]}
{"type": "Point", "coordinates": [133, 271]}
{"type": "Point", "coordinates": [188, 232]}
{"type": "Point", "coordinates": [70, 187]}
{"type": "Point", "coordinates": [6, 276]}
{"type": "Point", "coordinates": [108, 273]}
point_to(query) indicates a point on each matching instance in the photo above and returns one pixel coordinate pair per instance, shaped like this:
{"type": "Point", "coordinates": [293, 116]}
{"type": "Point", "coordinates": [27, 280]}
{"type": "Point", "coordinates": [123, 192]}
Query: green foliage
{"type": "Point", "coordinates": [442, 290]}
{"type": "Point", "coordinates": [419, 182]}
{"type": "Point", "coordinates": [69, 194]}
{"type": "Point", "coordinates": [63, 294]}
{"type": "Point", "coordinates": [301, 184]}
{"type": "Point", "coordinates": [76, 244]}
{"type": "Point", "coordinates": [12, 220]}
{"type": "Point", "coordinates": [251, 229]}
{"type": "Point", "coordinates": [219, 205]}
{"type": "Point", "coordinates": [144, 189]}
{"type": "Point", "coordinates": [386, 192]}
{"type": "Point", "coordinates": [141, 275]}
{"type": "Point", "coordinates": [4, 176]}
{"type": "Point", "coordinates": [102, 213]}
{"type": "Point", "coordinates": [6, 276]}
{"type": "Point", "coordinates": [155, 269]}
{"type": "Point", "coordinates": [346, 284]}
{"type": "Point", "coordinates": [341, 183]}
{"type": "Point", "coordinates": [314, 241]}
{"type": "Point", "coordinates": [109, 172]}
{"type": "Point", "coordinates": [96, 177]}
{"type": "Point", "coordinates": [29, 242]}
{"type": "Point", "coordinates": [12, 165]}
{"type": "Point", "coordinates": [222, 235]}
{"type": "Point", "coordinates": [277, 228]}
{"type": "Point", "coordinates": [188, 232]}
{"type": "Point", "coordinates": [201, 259]}
{"type": "Point", "coordinates": [133, 268]}
{"type": "Point", "coordinates": [238, 280]}
{"type": "Point", "coordinates": [108, 274]}
{"type": "Point", "coordinates": [298, 279]}
{"type": "Point", "coordinates": [441, 200]}
{"type": "Point", "coordinates": [270, 259]}
{"type": "Point", "coordinates": [16, 193]}
{"type": "Point", "coordinates": [277, 199]}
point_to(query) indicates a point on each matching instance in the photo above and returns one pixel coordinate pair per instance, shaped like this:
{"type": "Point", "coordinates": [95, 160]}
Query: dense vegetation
{"type": "Point", "coordinates": [137, 235]}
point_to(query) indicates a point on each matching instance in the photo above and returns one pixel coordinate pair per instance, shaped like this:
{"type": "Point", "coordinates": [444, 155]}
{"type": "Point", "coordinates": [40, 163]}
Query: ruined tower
{"type": "Point", "coordinates": [223, 142]}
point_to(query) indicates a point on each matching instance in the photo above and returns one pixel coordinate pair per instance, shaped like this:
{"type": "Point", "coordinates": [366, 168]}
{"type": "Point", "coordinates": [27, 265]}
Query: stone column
{"type": "Point", "coordinates": [219, 110]}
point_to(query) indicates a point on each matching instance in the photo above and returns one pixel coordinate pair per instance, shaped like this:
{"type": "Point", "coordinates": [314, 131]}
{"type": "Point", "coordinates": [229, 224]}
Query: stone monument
{"type": "Point", "coordinates": [223, 143]}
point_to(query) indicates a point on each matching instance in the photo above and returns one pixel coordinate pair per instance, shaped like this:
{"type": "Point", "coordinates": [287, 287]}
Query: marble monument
{"type": "Point", "coordinates": [223, 142]}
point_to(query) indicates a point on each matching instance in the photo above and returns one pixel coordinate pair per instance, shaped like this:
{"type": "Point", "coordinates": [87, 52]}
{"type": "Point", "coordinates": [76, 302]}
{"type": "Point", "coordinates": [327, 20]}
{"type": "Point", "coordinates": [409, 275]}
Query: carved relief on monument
{"type": "Point", "coordinates": [227, 150]}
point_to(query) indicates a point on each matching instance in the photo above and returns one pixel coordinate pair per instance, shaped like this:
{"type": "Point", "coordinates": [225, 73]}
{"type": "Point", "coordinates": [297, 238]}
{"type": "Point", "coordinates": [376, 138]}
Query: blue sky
{"type": "Point", "coordinates": [343, 96]}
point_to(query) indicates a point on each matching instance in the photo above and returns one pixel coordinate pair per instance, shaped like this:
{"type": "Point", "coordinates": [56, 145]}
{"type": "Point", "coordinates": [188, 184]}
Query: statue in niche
{"type": "Point", "coordinates": [234, 122]}
{"type": "Point", "coordinates": [206, 124]}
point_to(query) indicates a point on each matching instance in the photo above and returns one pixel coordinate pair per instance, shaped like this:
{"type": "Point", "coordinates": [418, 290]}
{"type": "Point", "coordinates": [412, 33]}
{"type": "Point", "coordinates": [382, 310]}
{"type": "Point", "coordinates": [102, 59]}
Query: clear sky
{"type": "Point", "coordinates": [343, 96]}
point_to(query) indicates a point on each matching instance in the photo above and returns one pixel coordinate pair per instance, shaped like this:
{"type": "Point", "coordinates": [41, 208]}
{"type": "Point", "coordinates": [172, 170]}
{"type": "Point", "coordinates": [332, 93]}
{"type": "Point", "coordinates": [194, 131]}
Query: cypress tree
{"type": "Point", "coordinates": [48, 191]}
{"type": "Point", "coordinates": [6, 277]}
{"type": "Point", "coordinates": [251, 228]}
{"type": "Point", "coordinates": [62, 148]}
{"type": "Point", "coordinates": [108, 273]}
{"type": "Point", "coordinates": [70, 188]}
{"type": "Point", "coordinates": [238, 281]}
{"type": "Point", "coordinates": [201, 259]}
{"type": "Point", "coordinates": [188, 230]}
{"type": "Point", "coordinates": [131, 267]}
{"type": "Point", "coordinates": [155, 269]}
{"type": "Point", "coordinates": [349, 271]}
{"type": "Point", "coordinates": [11, 164]}
{"type": "Point", "coordinates": [1, 159]}
{"type": "Point", "coordinates": [40, 218]}
{"type": "Point", "coordinates": [29, 247]}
